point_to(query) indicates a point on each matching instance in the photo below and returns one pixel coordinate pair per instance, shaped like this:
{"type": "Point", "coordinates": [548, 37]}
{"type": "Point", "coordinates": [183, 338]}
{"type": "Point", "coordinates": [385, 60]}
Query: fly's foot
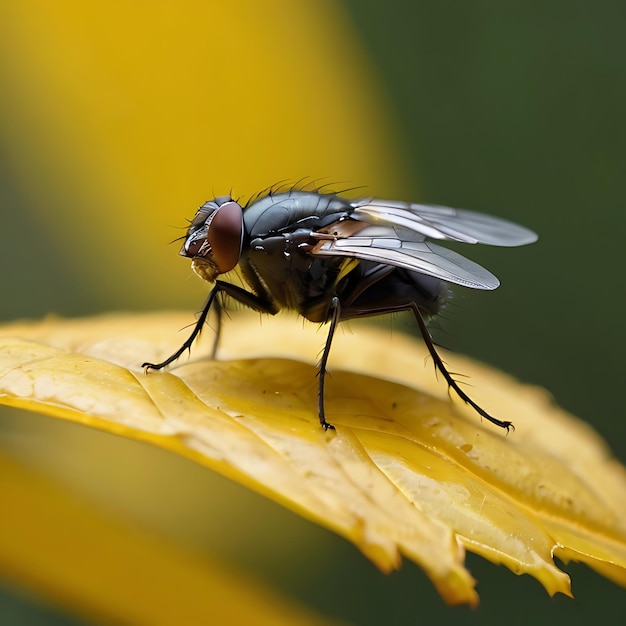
{"type": "Point", "coordinates": [152, 366]}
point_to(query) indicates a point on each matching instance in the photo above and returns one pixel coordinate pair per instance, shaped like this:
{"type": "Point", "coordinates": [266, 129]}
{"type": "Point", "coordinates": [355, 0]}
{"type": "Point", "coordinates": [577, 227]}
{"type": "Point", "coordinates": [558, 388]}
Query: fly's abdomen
{"type": "Point", "coordinates": [376, 289]}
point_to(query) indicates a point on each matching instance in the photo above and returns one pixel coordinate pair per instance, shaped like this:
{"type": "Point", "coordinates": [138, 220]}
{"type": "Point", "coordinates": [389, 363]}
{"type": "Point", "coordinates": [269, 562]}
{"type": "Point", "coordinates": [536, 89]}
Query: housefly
{"type": "Point", "coordinates": [333, 259]}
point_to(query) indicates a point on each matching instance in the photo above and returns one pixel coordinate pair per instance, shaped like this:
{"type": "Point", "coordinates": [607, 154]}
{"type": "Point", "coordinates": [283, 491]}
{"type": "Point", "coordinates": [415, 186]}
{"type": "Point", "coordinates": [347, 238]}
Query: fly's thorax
{"type": "Point", "coordinates": [291, 210]}
{"type": "Point", "coordinates": [280, 269]}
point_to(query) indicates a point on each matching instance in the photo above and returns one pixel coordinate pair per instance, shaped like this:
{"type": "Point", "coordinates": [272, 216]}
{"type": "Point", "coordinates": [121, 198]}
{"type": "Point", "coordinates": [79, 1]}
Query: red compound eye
{"type": "Point", "coordinates": [225, 236]}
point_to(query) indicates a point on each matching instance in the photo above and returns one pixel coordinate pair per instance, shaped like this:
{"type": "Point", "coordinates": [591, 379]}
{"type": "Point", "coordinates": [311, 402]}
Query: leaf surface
{"type": "Point", "coordinates": [408, 472]}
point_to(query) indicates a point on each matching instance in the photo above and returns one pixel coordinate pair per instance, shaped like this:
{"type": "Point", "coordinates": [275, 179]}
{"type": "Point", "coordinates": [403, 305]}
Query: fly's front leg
{"type": "Point", "coordinates": [194, 333]}
{"type": "Point", "coordinates": [219, 310]}
{"type": "Point", "coordinates": [336, 308]}
{"type": "Point", "coordinates": [239, 294]}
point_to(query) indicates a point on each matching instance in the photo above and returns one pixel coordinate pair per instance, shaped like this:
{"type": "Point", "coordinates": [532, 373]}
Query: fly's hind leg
{"type": "Point", "coordinates": [439, 364]}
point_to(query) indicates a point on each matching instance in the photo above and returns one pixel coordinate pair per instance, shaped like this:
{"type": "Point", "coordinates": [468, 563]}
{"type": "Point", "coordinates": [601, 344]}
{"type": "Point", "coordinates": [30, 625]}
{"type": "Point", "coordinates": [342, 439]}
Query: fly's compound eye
{"type": "Point", "coordinates": [225, 235]}
{"type": "Point", "coordinates": [216, 235]}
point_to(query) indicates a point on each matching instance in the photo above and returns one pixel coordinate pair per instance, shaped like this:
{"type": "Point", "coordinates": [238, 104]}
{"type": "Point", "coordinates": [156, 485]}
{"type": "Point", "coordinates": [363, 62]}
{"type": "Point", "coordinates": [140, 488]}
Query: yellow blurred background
{"type": "Point", "coordinates": [124, 117]}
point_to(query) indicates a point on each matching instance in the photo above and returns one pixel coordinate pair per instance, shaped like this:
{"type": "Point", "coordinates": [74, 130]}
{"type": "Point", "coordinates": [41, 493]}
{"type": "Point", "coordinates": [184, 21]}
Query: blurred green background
{"type": "Point", "coordinates": [512, 108]}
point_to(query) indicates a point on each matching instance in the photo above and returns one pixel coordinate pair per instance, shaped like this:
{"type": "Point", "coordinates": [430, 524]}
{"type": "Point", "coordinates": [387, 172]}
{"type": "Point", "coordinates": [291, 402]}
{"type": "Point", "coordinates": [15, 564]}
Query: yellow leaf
{"type": "Point", "coordinates": [409, 472]}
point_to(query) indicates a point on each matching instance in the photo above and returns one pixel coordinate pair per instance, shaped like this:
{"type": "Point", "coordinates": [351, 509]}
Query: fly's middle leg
{"type": "Point", "coordinates": [334, 320]}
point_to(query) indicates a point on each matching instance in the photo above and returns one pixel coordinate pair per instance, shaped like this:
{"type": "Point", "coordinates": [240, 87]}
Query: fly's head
{"type": "Point", "coordinates": [215, 238]}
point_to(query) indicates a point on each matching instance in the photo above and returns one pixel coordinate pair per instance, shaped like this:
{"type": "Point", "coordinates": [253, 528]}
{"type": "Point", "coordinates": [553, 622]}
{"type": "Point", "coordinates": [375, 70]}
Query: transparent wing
{"type": "Point", "coordinates": [438, 222]}
{"type": "Point", "coordinates": [405, 248]}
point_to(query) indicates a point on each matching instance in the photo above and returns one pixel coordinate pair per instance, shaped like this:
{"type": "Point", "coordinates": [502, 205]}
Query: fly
{"type": "Point", "coordinates": [333, 259]}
